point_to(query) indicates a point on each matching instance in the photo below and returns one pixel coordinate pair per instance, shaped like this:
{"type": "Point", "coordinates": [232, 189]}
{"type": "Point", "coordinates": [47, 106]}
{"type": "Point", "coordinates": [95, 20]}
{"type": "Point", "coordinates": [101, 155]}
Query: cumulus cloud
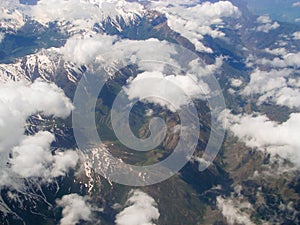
{"type": "Point", "coordinates": [32, 158]}
{"type": "Point", "coordinates": [141, 210]}
{"type": "Point", "coordinates": [277, 86]}
{"type": "Point", "coordinates": [288, 60]}
{"type": "Point", "coordinates": [234, 211]}
{"type": "Point", "coordinates": [236, 208]}
{"type": "Point", "coordinates": [236, 82]}
{"type": "Point", "coordinates": [296, 35]}
{"type": "Point", "coordinates": [266, 24]}
{"type": "Point", "coordinates": [84, 50]}
{"type": "Point", "coordinates": [75, 209]}
{"type": "Point", "coordinates": [171, 91]}
{"type": "Point", "coordinates": [277, 51]}
{"type": "Point", "coordinates": [18, 101]}
{"type": "Point", "coordinates": [262, 82]}
{"type": "Point", "coordinates": [97, 48]}
{"type": "Point", "coordinates": [276, 138]}
{"type": "Point", "coordinates": [193, 20]}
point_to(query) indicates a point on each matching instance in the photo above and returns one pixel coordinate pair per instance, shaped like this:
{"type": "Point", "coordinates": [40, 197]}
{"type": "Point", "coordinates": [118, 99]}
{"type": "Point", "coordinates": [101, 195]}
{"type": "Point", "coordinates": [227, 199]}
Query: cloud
{"type": "Point", "coordinates": [277, 51]}
{"type": "Point", "coordinates": [236, 82]}
{"type": "Point", "coordinates": [276, 138]}
{"type": "Point", "coordinates": [75, 209]}
{"type": "Point", "coordinates": [278, 82]}
{"type": "Point", "coordinates": [18, 101]}
{"type": "Point", "coordinates": [96, 49]}
{"type": "Point", "coordinates": [262, 82]}
{"type": "Point", "coordinates": [264, 19]}
{"type": "Point", "coordinates": [2, 35]}
{"type": "Point", "coordinates": [236, 208]}
{"type": "Point", "coordinates": [83, 14]}
{"type": "Point", "coordinates": [296, 4]}
{"type": "Point", "coordinates": [296, 35]}
{"type": "Point", "coordinates": [141, 210]}
{"type": "Point", "coordinates": [193, 20]}
{"type": "Point", "coordinates": [266, 24]}
{"type": "Point", "coordinates": [33, 158]}
{"type": "Point", "coordinates": [173, 91]}
{"type": "Point", "coordinates": [233, 212]}
{"type": "Point", "coordinates": [277, 86]}
{"type": "Point", "coordinates": [288, 60]}
{"type": "Point", "coordinates": [84, 50]}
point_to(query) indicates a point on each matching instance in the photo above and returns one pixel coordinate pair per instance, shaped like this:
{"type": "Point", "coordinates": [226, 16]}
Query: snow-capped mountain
{"type": "Point", "coordinates": [46, 64]}
{"type": "Point", "coordinates": [11, 19]}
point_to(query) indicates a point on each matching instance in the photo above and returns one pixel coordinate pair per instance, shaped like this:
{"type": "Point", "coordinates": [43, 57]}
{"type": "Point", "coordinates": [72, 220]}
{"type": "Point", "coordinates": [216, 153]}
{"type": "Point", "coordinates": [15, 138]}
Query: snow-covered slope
{"type": "Point", "coordinates": [11, 19]}
{"type": "Point", "coordinates": [46, 64]}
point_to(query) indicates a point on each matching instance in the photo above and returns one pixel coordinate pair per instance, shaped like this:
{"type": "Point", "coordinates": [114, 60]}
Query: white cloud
{"type": "Point", "coordinates": [74, 210]}
{"type": "Point", "coordinates": [276, 85]}
{"type": "Point", "coordinates": [33, 158]}
{"type": "Point", "coordinates": [277, 51]}
{"type": "Point", "coordinates": [200, 69]}
{"type": "Point", "coordinates": [193, 20]}
{"type": "Point", "coordinates": [289, 97]}
{"type": "Point", "coordinates": [141, 210]}
{"type": "Point", "coordinates": [290, 59]}
{"type": "Point", "coordinates": [266, 24]}
{"type": "Point", "coordinates": [171, 91]}
{"type": "Point", "coordinates": [84, 50]}
{"type": "Point", "coordinates": [276, 138]}
{"type": "Point", "coordinates": [296, 35]}
{"type": "Point", "coordinates": [234, 212]}
{"type": "Point", "coordinates": [264, 19]}
{"type": "Point", "coordinates": [262, 82]}
{"type": "Point", "coordinates": [267, 27]}
{"type": "Point", "coordinates": [97, 49]}
{"type": "Point", "coordinates": [62, 162]}
{"type": "Point", "coordinates": [84, 13]}
{"type": "Point", "coordinates": [2, 35]}
{"type": "Point", "coordinates": [296, 4]}
{"type": "Point", "coordinates": [19, 100]}
{"type": "Point", "coordinates": [236, 82]}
